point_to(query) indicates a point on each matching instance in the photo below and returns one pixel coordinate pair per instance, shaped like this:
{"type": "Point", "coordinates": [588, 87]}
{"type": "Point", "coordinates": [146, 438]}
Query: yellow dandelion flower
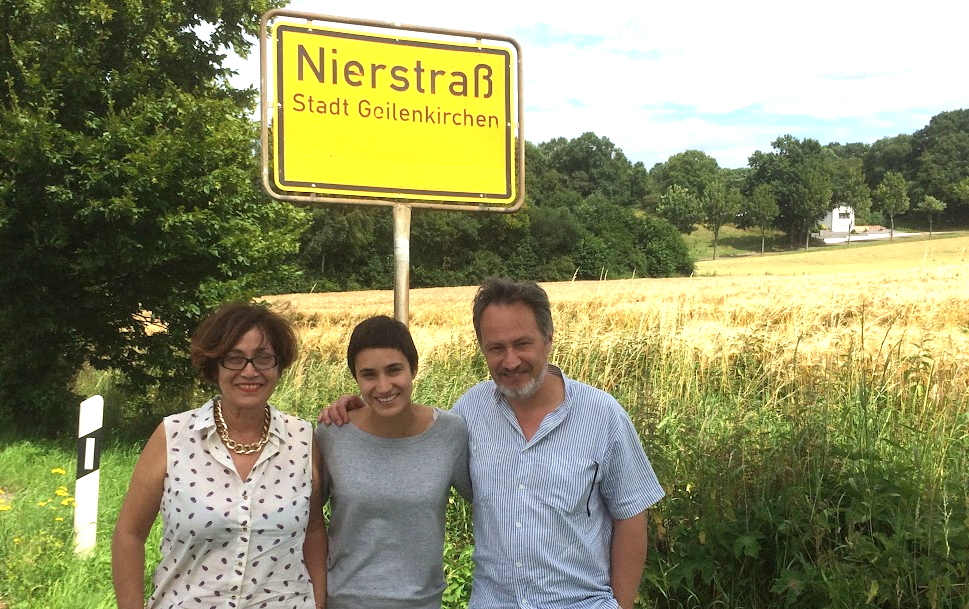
{"type": "Point", "coordinates": [69, 501]}
{"type": "Point", "coordinates": [61, 491]}
{"type": "Point", "coordinates": [59, 519]}
{"type": "Point", "coordinates": [43, 503]}
{"type": "Point", "coordinates": [58, 470]}
{"type": "Point", "coordinates": [5, 507]}
{"type": "Point", "coordinates": [16, 540]}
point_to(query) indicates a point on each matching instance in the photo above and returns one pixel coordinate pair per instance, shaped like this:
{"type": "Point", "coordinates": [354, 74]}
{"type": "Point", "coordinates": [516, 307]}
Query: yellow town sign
{"type": "Point", "coordinates": [365, 111]}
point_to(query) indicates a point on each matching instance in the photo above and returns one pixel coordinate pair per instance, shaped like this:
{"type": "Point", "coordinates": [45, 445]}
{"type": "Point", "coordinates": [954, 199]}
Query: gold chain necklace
{"type": "Point", "coordinates": [223, 429]}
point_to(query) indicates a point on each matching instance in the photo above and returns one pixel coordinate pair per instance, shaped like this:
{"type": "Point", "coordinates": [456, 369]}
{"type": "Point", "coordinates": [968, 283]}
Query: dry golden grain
{"type": "Point", "coordinates": [807, 320]}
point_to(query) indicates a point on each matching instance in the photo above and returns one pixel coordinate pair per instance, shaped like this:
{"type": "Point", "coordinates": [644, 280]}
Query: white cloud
{"type": "Point", "coordinates": [821, 66]}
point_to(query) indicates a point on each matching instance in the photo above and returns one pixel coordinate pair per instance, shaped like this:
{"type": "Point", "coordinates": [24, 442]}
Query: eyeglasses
{"type": "Point", "coordinates": [260, 362]}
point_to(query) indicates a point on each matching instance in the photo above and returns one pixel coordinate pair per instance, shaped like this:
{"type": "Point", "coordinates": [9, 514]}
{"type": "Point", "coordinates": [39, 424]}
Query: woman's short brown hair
{"type": "Point", "coordinates": [222, 330]}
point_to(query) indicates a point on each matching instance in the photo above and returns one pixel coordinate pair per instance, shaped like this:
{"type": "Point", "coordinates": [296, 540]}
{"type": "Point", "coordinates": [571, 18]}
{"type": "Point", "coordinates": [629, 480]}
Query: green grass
{"type": "Point", "coordinates": [733, 242]}
{"type": "Point", "coordinates": [38, 567]}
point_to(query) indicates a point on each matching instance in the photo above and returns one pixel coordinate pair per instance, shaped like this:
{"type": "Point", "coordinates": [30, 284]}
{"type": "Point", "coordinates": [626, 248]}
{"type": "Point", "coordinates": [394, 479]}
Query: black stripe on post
{"type": "Point", "coordinates": [98, 435]}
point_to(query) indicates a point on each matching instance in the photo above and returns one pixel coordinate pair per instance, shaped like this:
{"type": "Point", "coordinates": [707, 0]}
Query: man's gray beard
{"type": "Point", "coordinates": [525, 391]}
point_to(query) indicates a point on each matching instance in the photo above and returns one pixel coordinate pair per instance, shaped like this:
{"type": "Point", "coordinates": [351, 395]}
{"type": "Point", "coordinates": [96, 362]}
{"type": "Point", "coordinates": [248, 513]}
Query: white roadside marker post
{"type": "Point", "coordinates": [89, 440]}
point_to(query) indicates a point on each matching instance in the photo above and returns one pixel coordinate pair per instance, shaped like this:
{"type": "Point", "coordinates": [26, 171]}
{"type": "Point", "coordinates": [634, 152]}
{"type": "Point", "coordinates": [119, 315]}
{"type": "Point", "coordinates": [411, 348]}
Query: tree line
{"type": "Point", "coordinates": [583, 218]}
{"type": "Point", "coordinates": [793, 186]}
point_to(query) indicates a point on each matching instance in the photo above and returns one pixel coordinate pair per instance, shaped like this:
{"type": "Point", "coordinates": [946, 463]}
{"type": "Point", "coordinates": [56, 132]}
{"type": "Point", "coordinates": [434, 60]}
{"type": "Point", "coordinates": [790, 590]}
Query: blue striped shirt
{"type": "Point", "coordinates": [543, 509]}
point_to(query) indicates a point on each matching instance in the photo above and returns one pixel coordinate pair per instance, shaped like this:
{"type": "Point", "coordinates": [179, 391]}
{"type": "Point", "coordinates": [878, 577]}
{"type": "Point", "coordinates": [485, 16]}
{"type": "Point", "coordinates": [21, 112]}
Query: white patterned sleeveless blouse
{"type": "Point", "coordinates": [229, 543]}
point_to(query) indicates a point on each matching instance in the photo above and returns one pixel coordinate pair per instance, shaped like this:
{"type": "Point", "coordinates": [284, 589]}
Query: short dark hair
{"type": "Point", "coordinates": [381, 332]}
{"type": "Point", "coordinates": [222, 330]}
{"type": "Point", "coordinates": [505, 291]}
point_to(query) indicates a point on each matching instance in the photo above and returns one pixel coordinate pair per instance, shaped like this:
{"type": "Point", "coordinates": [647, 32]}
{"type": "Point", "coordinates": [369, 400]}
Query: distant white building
{"type": "Point", "coordinates": [839, 220]}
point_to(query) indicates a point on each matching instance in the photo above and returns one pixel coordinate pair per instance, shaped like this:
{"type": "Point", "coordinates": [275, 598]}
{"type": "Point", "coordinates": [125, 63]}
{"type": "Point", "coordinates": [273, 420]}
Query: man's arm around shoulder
{"type": "Point", "coordinates": [628, 558]}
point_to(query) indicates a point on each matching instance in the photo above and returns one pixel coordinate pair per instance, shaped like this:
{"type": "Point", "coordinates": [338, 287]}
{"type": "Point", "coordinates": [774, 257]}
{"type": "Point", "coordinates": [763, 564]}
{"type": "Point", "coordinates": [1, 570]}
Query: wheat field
{"type": "Point", "coordinates": [816, 318]}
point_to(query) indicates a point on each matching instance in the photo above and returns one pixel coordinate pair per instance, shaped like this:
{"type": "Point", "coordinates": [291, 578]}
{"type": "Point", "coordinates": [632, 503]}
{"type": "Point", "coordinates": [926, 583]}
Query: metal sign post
{"type": "Point", "coordinates": [401, 263]}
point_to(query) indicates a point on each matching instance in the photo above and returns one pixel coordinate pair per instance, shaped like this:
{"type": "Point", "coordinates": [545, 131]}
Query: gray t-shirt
{"type": "Point", "coordinates": [388, 498]}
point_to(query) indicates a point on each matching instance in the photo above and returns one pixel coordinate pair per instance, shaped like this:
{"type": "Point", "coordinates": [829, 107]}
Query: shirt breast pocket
{"type": "Point", "coordinates": [490, 466]}
{"type": "Point", "coordinates": [567, 485]}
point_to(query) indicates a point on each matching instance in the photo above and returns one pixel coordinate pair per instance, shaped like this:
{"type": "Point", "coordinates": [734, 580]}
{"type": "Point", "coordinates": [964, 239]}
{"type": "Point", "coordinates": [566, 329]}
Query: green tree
{"type": "Point", "coordinates": [852, 150]}
{"type": "Point", "coordinates": [892, 197]}
{"type": "Point", "coordinates": [582, 217]}
{"type": "Point", "coordinates": [622, 243]}
{"type": "Point", "coordinates": [942, 161]}
{"type": "Point", "coordinates": [594, 258]}
{"type": "Point", "coordinates": [556, 231]}
{"type": "Point", "coordinates": [889, 154]}
{"type": "Point", "coordinates": [589, 165]}
{"type": "Point", "coordinates": [759, 210]}
{"type": "Point", "coordinates": [347, 247]}
{"type": "Point", "coordinates": [813, 198]}
{"type": "Point", "coordinates": [681, 208]}
{"type": "Point", "coordinates": [799, 173]}
{"type": "Point", "coordinates": [961, 189]}
{"type": "Point", "coordinates": [664, 251]}
{"type": "Point", "coordinates": [609, 248]}
{"type": "Point", "coordinates": [691, 169]}
{"type": "Point", "coordinates": [720, 205]}
{"type": "Point", "coordinates": [931, 206]}
{"type": "Point", "coordinates": [129, 198]}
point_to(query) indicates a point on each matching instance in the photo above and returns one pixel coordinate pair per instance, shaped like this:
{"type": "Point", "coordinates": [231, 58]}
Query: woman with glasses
{"type": "Point", "coordinates": [237, 483]}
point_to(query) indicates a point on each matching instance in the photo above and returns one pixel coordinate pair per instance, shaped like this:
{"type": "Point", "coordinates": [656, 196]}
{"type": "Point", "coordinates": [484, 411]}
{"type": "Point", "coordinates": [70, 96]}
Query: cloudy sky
{"type": "Point", "coordinates": [726, 78]}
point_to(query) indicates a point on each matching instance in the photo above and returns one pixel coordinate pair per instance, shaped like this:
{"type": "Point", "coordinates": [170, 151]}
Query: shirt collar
{"type": "Point", "coordinates": [205, 422]}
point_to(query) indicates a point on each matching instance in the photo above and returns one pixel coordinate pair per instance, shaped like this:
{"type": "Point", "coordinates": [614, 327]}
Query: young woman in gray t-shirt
{"type": "Point", "coordinates": [388, 476]}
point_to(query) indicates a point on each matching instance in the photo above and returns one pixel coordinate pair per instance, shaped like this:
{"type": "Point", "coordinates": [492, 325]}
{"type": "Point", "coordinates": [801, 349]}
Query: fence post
{"type": "Point", "coordinates": [89, 440]}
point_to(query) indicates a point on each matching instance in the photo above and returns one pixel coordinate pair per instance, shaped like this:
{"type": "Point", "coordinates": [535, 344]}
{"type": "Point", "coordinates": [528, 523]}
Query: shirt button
{"type": "Point", "coordinates": [518, 525]}
{"type": "Point", "coordinates": [521, 486]}
{"type": "Point", "coordinates": [518, 564]}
